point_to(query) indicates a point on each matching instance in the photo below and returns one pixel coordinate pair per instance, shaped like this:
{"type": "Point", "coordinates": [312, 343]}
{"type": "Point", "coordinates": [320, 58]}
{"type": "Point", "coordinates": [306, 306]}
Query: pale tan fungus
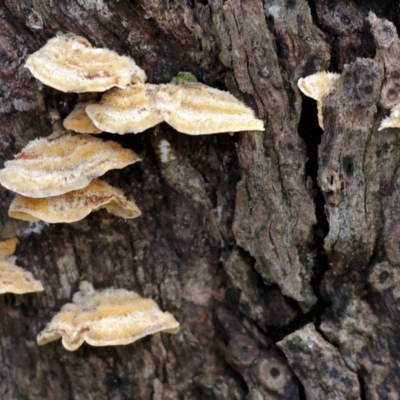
{"type": "Point", "coordinates": [55, 120]}
{"type": "Point", "coordinates": [7, 247]}
{"type": "Point", "coordinates": [106, 318]}
{"type": "Point", "coordinates": [14, 279]}
{"type": "Point", "coordinates": [129, 110]}
{"type": "Point", "coordinates": [78, 121]}
{"type": "Point", "coordinates": [69, 63]}
{"type": "Point", "coordinates": [194, 109]}
{"type": "Point", "coordinates": [393, 121]}
{"type": "Point", "coordinates": [74, 206]}
{"type": "Point", "coordinates": [65, 162]}
{"type": "Point", "coordinates": [317, 86]}
{"type": "Point", "coordinates": [197, 109]}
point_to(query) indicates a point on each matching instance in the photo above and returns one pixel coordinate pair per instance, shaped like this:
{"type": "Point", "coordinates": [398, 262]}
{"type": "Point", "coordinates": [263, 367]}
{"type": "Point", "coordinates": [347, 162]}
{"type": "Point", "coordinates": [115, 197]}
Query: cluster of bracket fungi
{"type": "Point", "coordinates": [55, 178]}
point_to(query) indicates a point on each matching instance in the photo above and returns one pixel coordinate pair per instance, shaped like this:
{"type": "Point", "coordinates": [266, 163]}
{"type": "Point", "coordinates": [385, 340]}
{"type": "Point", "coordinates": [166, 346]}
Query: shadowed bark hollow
{"type": "Point", "coordinates": [278, 252]}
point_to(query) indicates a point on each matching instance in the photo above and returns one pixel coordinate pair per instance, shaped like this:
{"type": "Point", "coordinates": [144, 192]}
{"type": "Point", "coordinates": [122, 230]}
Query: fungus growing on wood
{"type": "Point", "coordinates": [393, 120]}
{"type": "Point", "coordinates": [61, 163]}
{"type": "Point", "coordinates": [7, 247]}
{"type": "Point", "coordinates": [132, 109]}
{"type": "Point", "coordinates": [194, 109]}
{"type": "Point", "coordinates": [106, 318]}
{"type": "Point", "coordinates": [317, 86]}
{"type": "Point", "coordinates": [14, 279]}
{"type": "Point", "coordinates": [197, 109]}
{"type": "Point", "coordinates": [78, 121]}
{"type": "Point", "coordinates": [74, 206]}
{"type": "Point", "coordinates": [69, 63]}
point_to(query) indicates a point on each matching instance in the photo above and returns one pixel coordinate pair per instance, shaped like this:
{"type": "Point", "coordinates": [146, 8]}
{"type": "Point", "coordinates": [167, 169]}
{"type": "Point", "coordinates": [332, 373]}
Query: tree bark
{"type": "Point", "coordinates": [277, 251]}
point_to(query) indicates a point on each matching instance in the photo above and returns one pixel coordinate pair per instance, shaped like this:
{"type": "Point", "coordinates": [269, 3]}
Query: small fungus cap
{"type": "Point", "coordinates": [7, 247]}
{"type": "Point", "coordinates": [62, 163]}
{"type": "Point", "coordinates": [106, 318]}
{"type": "Point", "coordinates": [69, 63]}
{"type": "Point", "coordinates": [74, 206]}
{"type": "Point", "coordinates": [129, 110]}
{"type": "Point", "coordinates": [393, 121]}
{"type": "Point", "coordinates": [78, 121]}
{"type": "Point", "coordinates": [317, 86]}
{"type": "Point", "coordinates": [14, 279]}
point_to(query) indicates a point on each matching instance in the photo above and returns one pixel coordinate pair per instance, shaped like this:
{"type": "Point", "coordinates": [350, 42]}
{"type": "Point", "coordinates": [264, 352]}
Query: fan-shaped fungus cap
{"type": "Point", "coordinates": [78, 121]}
{"type": "Point", "coordinates": [50, 167]}
{"type": "Point", "coordinates": [132, 109]}
{"type": "Point", "coordinates": [74, 206]}
{"type": "Point", "coordinates": [106, 318]}
{"type": "Point", "coordinates": [194, 109]}
{"type": "Point", "coordinates": [317, 86]}
{"type": "Point", "coordinates": [393, 121]}
{"type": "Point", "coordinates": [69, 63]}
{"type": "Point", "coordinates": [7, 247]}
{"type": "Point", "coordinates": [197, 109]}
{"type": "Point", "coordinates": [14, 279]}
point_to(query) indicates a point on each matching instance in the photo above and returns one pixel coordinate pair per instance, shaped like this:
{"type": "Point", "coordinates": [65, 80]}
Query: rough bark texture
{"type": "Point", "coordinates": [248, 240]}
{"type": "Point", "coordinates": [327, 376]}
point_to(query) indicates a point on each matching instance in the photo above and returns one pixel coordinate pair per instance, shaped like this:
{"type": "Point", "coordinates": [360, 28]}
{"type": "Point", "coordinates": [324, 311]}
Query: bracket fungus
{"type": "Point", "coordinates": [74, 206]}
{"type": "Point", "coordinates": [69, 63]}
{"type": "Point", "coordinates": [194, 109]}
{"type": "Point", "coordinates": [197, 109]}
{"type": "Point", "coordinates": [317, 86]}
{"type": "Point", "coordinates": [14, 279]}
{"type": "Point", "coordinates": [393, 120]}
{"type": "Point", "coordinates": [78, 121]}
{"type": "Point", "coordinates": [132, 109]}
{"type": "Point", "coordinates": [106, 317]}
{"type": "Point", "coordinates": [61, 163]}
{"type": "Point", "coordinates": [7, 247]}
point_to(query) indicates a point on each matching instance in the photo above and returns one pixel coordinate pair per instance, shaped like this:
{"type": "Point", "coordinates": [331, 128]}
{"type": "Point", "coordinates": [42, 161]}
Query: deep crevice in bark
{"type": "Point", "coordinates": [302, 392]}
{"type": "Point", "coordinates": [311, 134]}
{"type": "Point", "coordinates": [363, 395]}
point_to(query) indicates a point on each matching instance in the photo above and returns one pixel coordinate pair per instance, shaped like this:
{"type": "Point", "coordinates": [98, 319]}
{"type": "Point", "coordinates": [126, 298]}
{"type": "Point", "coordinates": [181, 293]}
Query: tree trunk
{"type": "Point", "coordinates": [278, 252]}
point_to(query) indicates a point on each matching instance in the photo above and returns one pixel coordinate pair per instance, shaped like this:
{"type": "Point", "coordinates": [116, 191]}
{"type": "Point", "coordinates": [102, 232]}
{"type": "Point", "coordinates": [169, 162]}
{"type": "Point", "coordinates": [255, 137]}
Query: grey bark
{"type": "Point", "coordinates": [248, 240]}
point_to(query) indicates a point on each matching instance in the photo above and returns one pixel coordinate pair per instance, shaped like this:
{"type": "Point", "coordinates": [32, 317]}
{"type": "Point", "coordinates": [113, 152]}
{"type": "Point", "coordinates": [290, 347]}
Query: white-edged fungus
{"type": "Point", "coordinates": [69, 63]}
{"type": "Point", "coordinates": [132, 109]}
{"type": "Point", "coordinates": [74, 206]}
{"type": "Point", "coordinates": [14, 279]}
{"type": "Point", "coordinates": [78, 121]}
{"type": "Point", "coordinates": [64, 162]}
{"type": "Point", "coordinates": [317, 86]}
{"type": "Point", "coordinates": [194, 109]}
{"type": "Point", "coordinates": [197, 109]}
{"type": "Point", "coordinates": [106, 317]}
{"type": "Point", "coordinates": [393, 120]}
